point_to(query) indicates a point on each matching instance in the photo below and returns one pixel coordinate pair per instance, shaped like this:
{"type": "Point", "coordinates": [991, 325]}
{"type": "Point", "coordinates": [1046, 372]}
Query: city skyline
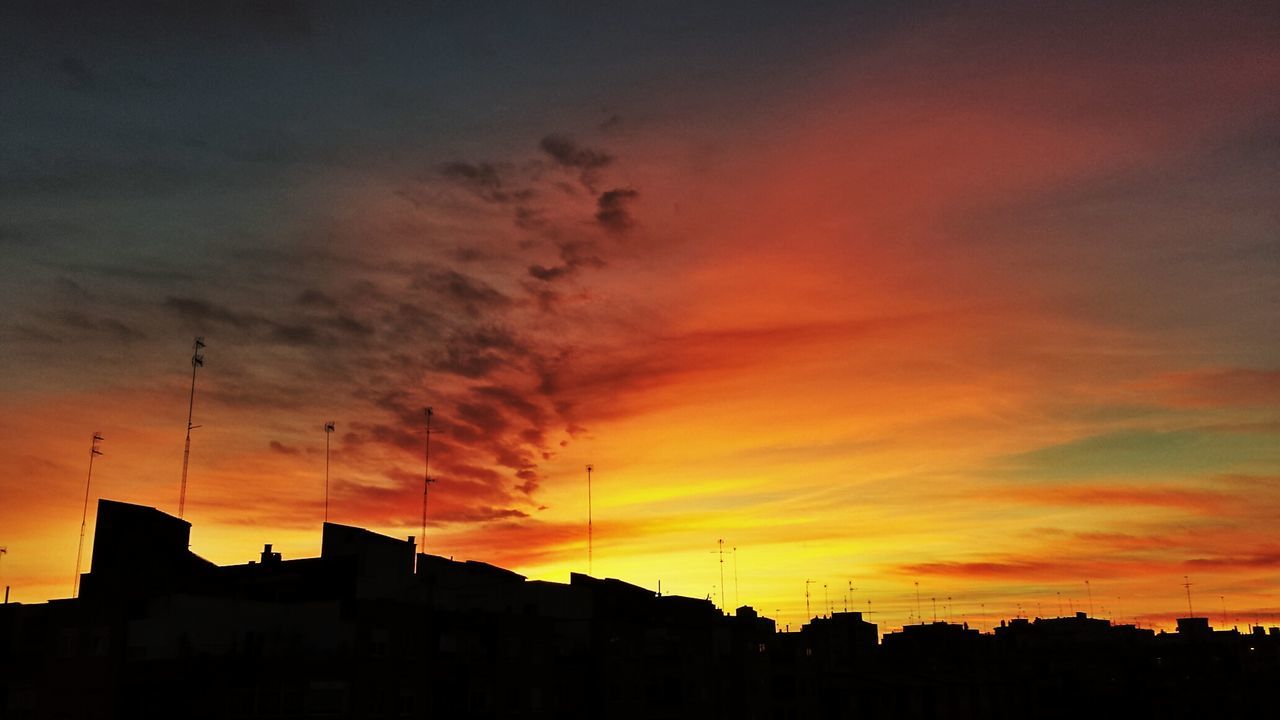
{"type": "Point", "coordinates": [877, 294]}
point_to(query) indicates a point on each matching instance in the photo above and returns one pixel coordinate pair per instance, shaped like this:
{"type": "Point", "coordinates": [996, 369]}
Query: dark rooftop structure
{"type": "Point", "coordinates": [373, 629]}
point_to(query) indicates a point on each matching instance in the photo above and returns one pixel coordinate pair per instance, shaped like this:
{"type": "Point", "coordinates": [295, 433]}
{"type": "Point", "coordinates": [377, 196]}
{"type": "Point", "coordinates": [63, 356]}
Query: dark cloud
{"type": "Point", "coordinates": [613, 210]}
{"type": "Point", "coordinates": [475, 352]}
{"type": "Point", "coordinates": [202, 312]}
{"type": "Point", "coordinates": [110, 327]}
{"type": "Point", "coordinates": [469, 294]}
{"type": "Point", "coordinates": [485, 181]}
{"type": "Point", "coordinates": [568, 154]}
{"type": "Point", "coordinates": [575, 256]}
{"type": "Point", "coordinates": [279, 447]}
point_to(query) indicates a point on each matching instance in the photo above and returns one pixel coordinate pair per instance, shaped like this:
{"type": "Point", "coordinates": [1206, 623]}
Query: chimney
{"type": "Point", "coordinates": [269, 557]}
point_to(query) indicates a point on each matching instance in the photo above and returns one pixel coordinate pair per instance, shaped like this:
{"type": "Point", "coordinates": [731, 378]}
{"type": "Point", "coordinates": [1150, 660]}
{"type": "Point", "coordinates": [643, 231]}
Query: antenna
{"type": "Point", "coordinates": [328, 430]}
{"type": "Point", "coordinates": [808, 613]}
{"type": "Point", "coordinates": [849, 596]}
{"type": "Point", "coordinates": [721, 552]}
{"type": "Point", "coordinates": [1089, 589]}
{"type": "Point", "coordinates": [197, 361]}
{"type": "Point", "coordinates": [919, 616]}
{"type": "Point", "coordinates": [5, 551]}
{"type": "Point", "coordinates": [1223, 598]}
{"type": "Point", "coordinates": [827, 597]}
{"type": "Point", "coordinates": [737, 599]}
{"type": "Point", "coordinates": [590, 529]}
{"type": "Point", "coordinates": [1186, 583]}
{"type": "Point", "coordinates": [426, 476]}
{"type": "Point", "coordinates": [84, 514]}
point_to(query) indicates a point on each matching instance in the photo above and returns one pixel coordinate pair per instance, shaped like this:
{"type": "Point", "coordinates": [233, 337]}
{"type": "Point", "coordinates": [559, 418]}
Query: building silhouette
{"type": "Point", "coordinates": [372, 629]}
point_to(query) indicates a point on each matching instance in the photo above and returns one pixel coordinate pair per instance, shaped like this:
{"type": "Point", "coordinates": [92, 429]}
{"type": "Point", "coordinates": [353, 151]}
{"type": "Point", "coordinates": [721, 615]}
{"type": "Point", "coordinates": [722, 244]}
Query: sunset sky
{"type": "Point", "coordinates": [985, 299]}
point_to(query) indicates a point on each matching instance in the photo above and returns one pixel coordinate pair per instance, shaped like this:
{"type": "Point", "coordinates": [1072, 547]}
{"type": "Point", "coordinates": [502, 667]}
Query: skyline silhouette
{"type": "Point", "coordinates": [880, 307]}
{"type": "Point", "coordinates": [373, 628]}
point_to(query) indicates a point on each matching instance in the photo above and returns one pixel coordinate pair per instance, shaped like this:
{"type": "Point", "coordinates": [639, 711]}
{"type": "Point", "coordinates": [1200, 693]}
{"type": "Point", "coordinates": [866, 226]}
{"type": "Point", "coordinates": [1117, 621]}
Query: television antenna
{"type": "Point", "coordinates": [197, 361]}
{"type": "Point", "coordinates": [328, 430]}
{"type": "Point", "coordinates": [84, 514]}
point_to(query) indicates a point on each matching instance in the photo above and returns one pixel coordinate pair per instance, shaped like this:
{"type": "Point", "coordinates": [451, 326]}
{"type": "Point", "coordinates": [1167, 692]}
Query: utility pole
{"type": "Point", "coordinates": [328, 430]}
{"type": "Point", "coordinates": [426, 478]}
{"type": "Point", "coordinates": [84, 514]}
{"type": "Point", "coordinates": [590, 530]}
{"type": "Point", "coordinates": [197, 361]}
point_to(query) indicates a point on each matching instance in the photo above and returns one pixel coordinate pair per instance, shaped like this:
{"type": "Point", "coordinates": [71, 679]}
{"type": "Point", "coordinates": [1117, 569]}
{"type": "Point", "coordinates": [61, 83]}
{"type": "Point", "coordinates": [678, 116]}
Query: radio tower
{"type": "Point", "coordinates": [426, 478]}
{"type": "Point", "coordinates": [328, 430]}
{"type": "Point", "coordinates": [590, 553]}
{"type": "Point", "coordinates": [84, 515]}
{"type": "Point", "coordinates": [197, 361]}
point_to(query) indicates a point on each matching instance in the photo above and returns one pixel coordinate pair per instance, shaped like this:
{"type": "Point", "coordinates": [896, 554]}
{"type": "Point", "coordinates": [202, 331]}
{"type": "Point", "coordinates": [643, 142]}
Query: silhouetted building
{"type": "Point", "coordinates": [371, 629]}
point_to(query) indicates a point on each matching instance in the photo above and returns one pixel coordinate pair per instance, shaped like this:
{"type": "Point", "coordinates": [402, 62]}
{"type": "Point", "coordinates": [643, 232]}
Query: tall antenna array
{"type": "Point", "coordinates": [590, 553]}
{"type": "Point", "coordinates": [722, 603]}
{"type": "Point", "coordinates": [197, 361]}
{"type": "Point", "coordinates": [328, 430]}
{"type": "Point", "coordinates": [84, 515]}
{"type": "Point", "coordinates": [737, 599]}
{"type": "Point", "coordinates": [426, 477]}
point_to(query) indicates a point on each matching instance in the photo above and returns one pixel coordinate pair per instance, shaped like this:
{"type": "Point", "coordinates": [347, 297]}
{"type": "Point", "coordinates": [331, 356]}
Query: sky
{"type": "Point", "coordinates": [957, 306]}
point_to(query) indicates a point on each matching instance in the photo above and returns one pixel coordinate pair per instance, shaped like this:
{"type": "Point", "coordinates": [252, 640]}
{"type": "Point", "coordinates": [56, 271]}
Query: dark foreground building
{"type": "Point", "coordinates": [372, 630]}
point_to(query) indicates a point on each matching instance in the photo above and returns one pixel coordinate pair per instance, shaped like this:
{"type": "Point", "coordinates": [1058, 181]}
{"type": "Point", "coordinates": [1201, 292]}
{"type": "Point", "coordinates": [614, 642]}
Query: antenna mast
{"type": "Point", "coordinates": [808, 612]}
{"type": "Point", "coordinates": [737, 599]}
{"type": "Point", "coordinates": [1186, 583]}
{"type": "Point", "coordinates": [426, 476]}
{"type": "Point", "coordinates": [721, 551]}
{"type": "Point", "coordinates": [197, 361]}
{"type": "Point", "coordinates": [590, 553]}
{"type": "Point", "coordinates": [84, 515]}
{"type": "Point", "coordinates": [328, 430]}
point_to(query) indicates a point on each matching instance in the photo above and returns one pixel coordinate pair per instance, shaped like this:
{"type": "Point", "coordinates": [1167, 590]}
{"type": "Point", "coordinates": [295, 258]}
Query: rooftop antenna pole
{"type": "Point", "coordinates": [721, 541]}
{"type": "Point", "coordinates": [590, 529]}
{"type": "Point", "coordinates": [328, 430]}
{"type": "Point", "coordinates": [737, 599]}
{"type": "Point", "coordinates": [1223, 598]}
{"type": "Point", "coordinates": [84, 514]}
{"type": "Point", "coordinates": [426, 477]}
{"type": "Point", "coordinates": [919, 615]}
{"type": "Point", "coordinates": [826, 596]}
{"type": "Point", "coordinates": [1090, 591]}
{"type": "Point", "coordinates": [807, 611]}
{"type": "Point", "coordinates": [1186, 583]}
{"type": "Point", "coordinates": [5, 551]}
{"type": "Point", "coordinates": [197, 361]}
